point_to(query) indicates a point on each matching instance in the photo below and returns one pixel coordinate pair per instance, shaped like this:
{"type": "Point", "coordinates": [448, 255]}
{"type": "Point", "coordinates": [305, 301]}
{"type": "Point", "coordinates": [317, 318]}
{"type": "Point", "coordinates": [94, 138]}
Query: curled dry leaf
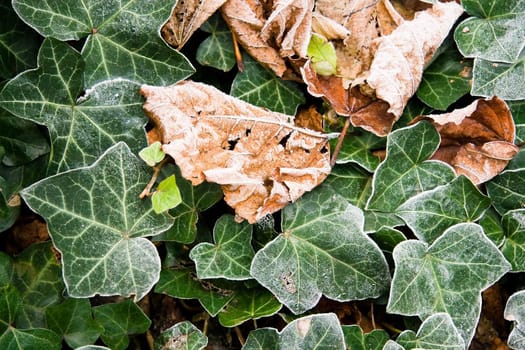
{"type": "Point", "coordinates": [477, 141]}
{"type": "Point", "coordinates": [186, 17]}
{"type": "Point", "coordinates": [260, 158]}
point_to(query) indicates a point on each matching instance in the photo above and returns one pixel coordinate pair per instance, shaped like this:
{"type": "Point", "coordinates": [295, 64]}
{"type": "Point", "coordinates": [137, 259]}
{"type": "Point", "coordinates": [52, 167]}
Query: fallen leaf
{"type": "Point", "coordinates": [478, 140]}
{"type": "Point", "coordinates": [186, 17]}
{"type": "Point", "coordinates": [261, 160]}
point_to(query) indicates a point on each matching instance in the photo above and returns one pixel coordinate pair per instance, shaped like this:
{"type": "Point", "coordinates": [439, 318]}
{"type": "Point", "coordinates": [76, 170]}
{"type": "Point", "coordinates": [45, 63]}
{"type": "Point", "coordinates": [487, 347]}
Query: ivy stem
{"type": "Point", "coordinates": [340, 142]}
{"type": "Point", "coordinates": [156, 171]}
{"type": "Point", "coordinates": [238, 54]}
{"type": "Point", "coordinates": [239, 335]}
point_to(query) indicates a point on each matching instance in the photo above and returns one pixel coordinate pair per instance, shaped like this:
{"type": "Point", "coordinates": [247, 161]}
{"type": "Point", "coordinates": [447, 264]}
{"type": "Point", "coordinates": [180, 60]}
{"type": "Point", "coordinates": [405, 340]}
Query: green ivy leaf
{"type": "Point", "coordinates": [230, 256]}
{"type": "Point", "coordinates": [122, 37]}
{"type": "Point", "coordinates": [183, 336]}
{"type": "Point", "coordinates": [387, 239]}
{"type": "Point", "coordinates": [99, 230]}
{"type": "Point", "coordinates": [216, 50]}
{"type": "Point", "coordinates": [249, 304]}
{"type": "Point", "coordinates": [152, 154]}
{"type": "Point", "coordinates": [491, 223]}
{"type": "Point", "coordinates": [514, 245]}
{"type": "Point", "coordinates": [18, 43]}
{"type": "Point", "coordinates": [80, 128]}
{"type": "Point", "coordinates": [428, 214]}
{"type": "Point", "coordinates": [322, 54]}
{"type": "Point", "coordinates": [259, 86]}
{"type": "Point", "coordinates": [166, 196]}
{"type": "Point", "coordinates": [318, 331]}
{"type": "Point", "coordinates": [120, 320]}
{"type": "Point", "coordinates": [406, 171]}
{"type": "Point", "coordinates": [92, 347]}
{"type": "Point", "coordinates": [351, 182]}
{"type": "Point", "coordinates": [507, 190]}
{"type": "Point", "coordinates": [317, 254]}
{"type": "Point", "coordinates": [184, 284]}
{"type": "Point", "coordinates": [437, 332]}
{"type": "Point", "coordinates": [518, 114]}
{"type": "Point", "coordinates": [72, 319]}
{"type": "Point", "coordinates": [10, 305]}
{"type": "Point", "coordinates": [8, 212]}
{"type": "Point", "coordinates": [447, 276]}
{"type": "Point", "coordinates": [357, 148]}
{"type": "Point", "coordinates": [30, 339]}
{"type": "Point", "coordinates": [514, 311]}
{"type": "Point", "coordinates": [355, 339]}
{"type": "Point", "coordinates": [502, 79]}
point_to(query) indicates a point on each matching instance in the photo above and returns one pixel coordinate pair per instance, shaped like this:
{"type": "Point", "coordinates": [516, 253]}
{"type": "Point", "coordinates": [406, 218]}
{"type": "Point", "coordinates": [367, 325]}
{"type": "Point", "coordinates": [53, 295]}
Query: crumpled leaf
{"type": "Point", "coordinates": [478, 140]}
{"type": "Point", "coordinates": [102, 243]}
{"type": "Point", "coordinates": [385, 60]}
{"type": "Point", "coordinates": [183, 335]}
{"type": "Point", "coordinates": [514, 312]}
{"type": "Point", "coordinates": [186, 17]}
{"type": "Point", "coordinates": [260, 159]}
{"type": "Point", "coordinates": [447, 276]}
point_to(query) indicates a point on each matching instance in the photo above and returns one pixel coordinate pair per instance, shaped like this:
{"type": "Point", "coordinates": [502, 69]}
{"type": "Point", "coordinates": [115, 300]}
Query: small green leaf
{"type": "Point", "coordinates": [507, 190]}
{"type": "Point", "coordinates": [120, 320]}
{"type": "Point", "coordinates": [355, 339]}
{"type": "Point", "coordinates": [216, 50]}
{"type": "Point", "coordinates": [72, 319]}
{"type": "Point", "coordinates": [317, 254]}
{"type": "Point", "coordinates": [406, 171]}
{"type": "Point", "coordinates": [514, 245]}
{"type": "Point", "coordinates": [491, 223]}
{"type": "Point", "coordinates": [447, 276]}
{"type": "Point", "coordinates": [430, 213]}
{"type": "Point", "coordinates": [98, 223]}
{"type": "Point", "coordinates": [10, 306]}
{"type": "Point", "coordinates": [183, 336]}
{"type": "Point", "coordinates": [322, 54]}
{"type": "Point", "coordinates": [166, 196]}
{"type": "Point", "coordinates": [231, 255]}
{"type": "Point", "coordinates": [357, 148]}
{"type": "Point", "coordinates": [437, 332]}
{"type": "Point", "coordinates": [259, 86]}
{"type": "Point", "coordinates": [250, 304]}
{"type": "Point", "coordinates": [152, 154]}
{"type": "Point", "coordinates": [30, 339]}
{"type": "Point", "coordinates": [514, 311]}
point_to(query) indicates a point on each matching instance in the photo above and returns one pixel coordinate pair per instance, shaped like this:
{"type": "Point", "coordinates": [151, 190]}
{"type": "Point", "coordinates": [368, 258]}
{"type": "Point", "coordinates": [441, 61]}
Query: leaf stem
{"type": "Point", "coordinates": [240, 337]}
{"type": "Point", "coordinates": [156, 170]}
{"type": "Point", "coordinates": [339, 144]}
{"type": "Point", "coordinates": [237, 52]}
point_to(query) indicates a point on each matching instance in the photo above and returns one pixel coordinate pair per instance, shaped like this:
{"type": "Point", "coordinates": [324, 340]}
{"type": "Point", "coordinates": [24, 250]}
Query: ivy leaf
{"type": "Point", "coordinates": [317, 254]}
{"type": "Point", "coordinates": [184, 284]}
{"type": "Point", "coordinates": [514, 312]}
{"type": "Point", "coordinates": [10, 305]}
{"type": "Point", "coordinates": [30, 339]}
{"type": "Point", "coordinates": [183, 335]}
{"type": "Point", "coordinates": [120, 320]}
{"type": "Point", "coordinates": [436, 332]}
{"type": "Point", "coordinates": [250, 304]}
{"type": "Point", "coordinates": [216, 50]}
{"type": "Point", "coordinates": [92, 347]}
{"type": "Point", "coordinates": [507, 190]}
{"type": "Point", "coordinates": [358, 147]}
{"type": "Point", "coordinates": [501, 79]}
{"type": "Point", "coordinates": [318, 331]}
{"type": "Point", "coordinates": [518, 114]}
{"type": "Point", "coordinates": [406, 171]}
{"type": "Point", "coordinates": [387, 239]}
{"type": "Point", "coordinates": [428, 214]}
{"type": "Point", "coordinates": [152, 154]}
{"type": "Point", "coordinates": [351, 182]}
{"type": "Point", "coordinates": [122, 37]}
{"type": "Point", "coordinates": [322, 54]}
{"type": "Point", "coordinates": [514, 245]}
{"type": "Point", "coordinates": [260, 87]}
{"type": "Point", "coordinates": [491, 223]}
{"type": "Point", "coordinates": [230, 256]}
{"type": "Point", "coordinates": [101, 241]}
{"type": "Point", "coordinates": [73, 320]}
{"type": "Point", "coordinates": [81, 129]}
{"type": "Point", "coordinates": [355, 339]}
{"type": "Point", "coordinates": [166, 196]}
{"type": "Point", "coordinates": [447, 276]}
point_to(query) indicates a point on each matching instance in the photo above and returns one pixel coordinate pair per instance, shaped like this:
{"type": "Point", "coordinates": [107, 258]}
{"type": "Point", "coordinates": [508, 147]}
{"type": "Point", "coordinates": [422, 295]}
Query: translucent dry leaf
{"type": "Point", "coordinates": [261, 160]}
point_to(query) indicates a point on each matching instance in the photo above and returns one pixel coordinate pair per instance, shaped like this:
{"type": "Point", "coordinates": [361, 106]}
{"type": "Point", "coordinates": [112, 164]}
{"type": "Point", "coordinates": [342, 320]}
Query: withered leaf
{"type": "Point", "coordinates": [477, 141]}
{"type": "Point", "coordinates": [260, 158]}
{"type": "Point", "coordinates": [186, 17]}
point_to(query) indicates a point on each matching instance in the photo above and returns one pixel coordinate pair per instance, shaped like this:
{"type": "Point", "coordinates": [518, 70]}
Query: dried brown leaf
{"type": "Point", "coordinates": [477, 141]}
{"type": "Point", "coordinates": [261, 160]}
{"type": "Point", "coordinates": [186, 17]}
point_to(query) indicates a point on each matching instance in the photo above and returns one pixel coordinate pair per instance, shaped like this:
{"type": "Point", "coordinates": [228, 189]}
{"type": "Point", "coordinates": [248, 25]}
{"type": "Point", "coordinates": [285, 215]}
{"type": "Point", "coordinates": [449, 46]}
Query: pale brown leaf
{"type": "Point", "coordinates": [186, 17]}
{"type": "Point", "coordinates": [260, 158]}
{"type": "Point", "coordinates": [477, 141]}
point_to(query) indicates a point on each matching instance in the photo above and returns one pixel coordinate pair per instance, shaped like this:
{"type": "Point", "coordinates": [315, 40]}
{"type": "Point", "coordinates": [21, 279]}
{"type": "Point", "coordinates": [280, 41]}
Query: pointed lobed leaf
{"type": "Point", "coordinates": [10, 305]}
{"type": "Point", "coordinates": [81, 129]}
{"type": "Point", "coordinates": [358, 148]}
{"type": "Point", "coordinates": [514, 311]}
{"type": "Point", "coordinates": [231, 255]}
{"type": "Point", "coordinates": [123, 37]}
{"type": "Point", "coordinates": [262, 339]}
{"type": "Point", "coordinates": [322, 250]}
{"type": "Point", "coordinates": [216, 50]}
{"type": "Point", "coordinates": [30, 339]}
{"type": "Point", "coordinates": [507, 190]}
{"type": "Point", "coordinates": [406, 171]}
{"type": "Point", "coordinates": [499, 79]}
{"type": "Point", "coordinates": [513, 248]}
{"type": "Point", "coordinates": [247, 305]}
{"type": "Point", "coordinates": [351, 182]}
{"type": "Point", "coordinates": [447, 276]}
{"type": "Point", "coordinates": [259, 86]}
{"type": "Point", "coordinates": [430, 213]}
{"type": "Point", "coordinates": [99, 230]}
{"type": "Point", "coordinates": [491, 224]}
{"type": "Point", "coordinates": [166, 196]}
{"type": "Point", "coordinates": [518, 114]}
{"type": "Point", "coordinates": [152, 154]}
{"type": "Point", "coordinates": [120, 320]}
{"type": "Point", "coordinates": [183, 336]}
{"type": "Point", "coordinates": [356, 339]}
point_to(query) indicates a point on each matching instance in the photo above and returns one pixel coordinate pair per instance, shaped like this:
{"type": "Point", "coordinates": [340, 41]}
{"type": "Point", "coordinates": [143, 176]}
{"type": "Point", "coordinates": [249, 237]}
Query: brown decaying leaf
{"type": "Point", "coordinates": [186, 17]}
{"type": "Point", "coordinates": [261, 160]}
{"type": "Point", "coordinates": [477, 141]}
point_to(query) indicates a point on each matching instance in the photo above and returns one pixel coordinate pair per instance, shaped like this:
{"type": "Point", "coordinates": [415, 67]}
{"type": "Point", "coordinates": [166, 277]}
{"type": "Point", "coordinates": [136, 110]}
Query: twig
{"type": "Point", "coordinates": [239, 335]}
{"type": "Point", "coordinates": [339, 144]}
{"type": "Point", "coordinates": [156, 171]}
